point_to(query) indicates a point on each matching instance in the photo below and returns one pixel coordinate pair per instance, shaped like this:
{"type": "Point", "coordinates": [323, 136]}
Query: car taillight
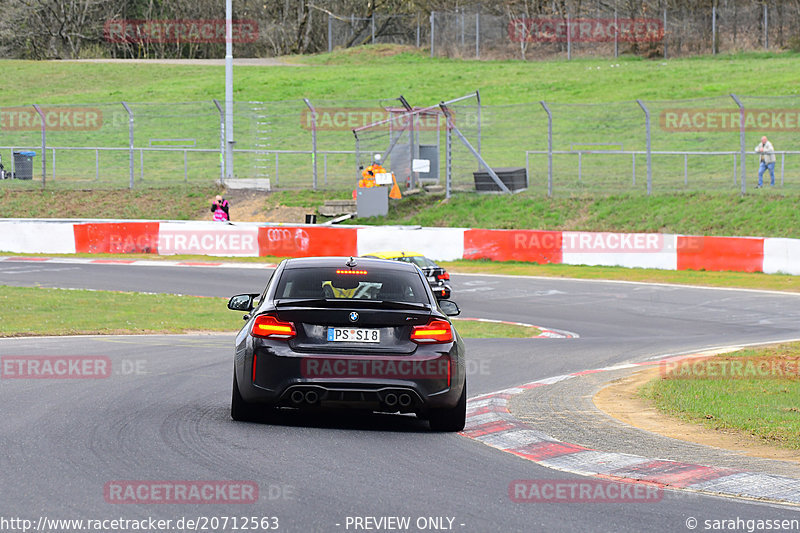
{"type": "Point", "coordinates": [269, 327]}
{"type": "Point", "coordinates": [444, 277]}
{"type": "Point", "coordinates": [433, 332]}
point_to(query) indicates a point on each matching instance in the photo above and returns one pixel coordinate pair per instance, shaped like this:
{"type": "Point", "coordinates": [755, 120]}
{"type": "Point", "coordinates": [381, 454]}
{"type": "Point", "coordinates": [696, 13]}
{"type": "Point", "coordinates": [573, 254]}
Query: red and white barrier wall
{"type": "Point", "coordinates": [633, 250]}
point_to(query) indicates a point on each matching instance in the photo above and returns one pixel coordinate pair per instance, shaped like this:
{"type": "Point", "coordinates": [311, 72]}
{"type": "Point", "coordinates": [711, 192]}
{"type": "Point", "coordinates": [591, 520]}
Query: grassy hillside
{"type": "Point", "coordinates": [361, 77]}
{"type": "Point", "coordinates": [386, 71]}
{"type": "Point", "coordinates": [766, 214]}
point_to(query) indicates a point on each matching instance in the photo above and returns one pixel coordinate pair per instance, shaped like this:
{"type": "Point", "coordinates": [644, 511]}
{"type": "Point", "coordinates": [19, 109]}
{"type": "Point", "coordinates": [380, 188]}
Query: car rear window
{"type": "Point", "coordinates": [367, 284]}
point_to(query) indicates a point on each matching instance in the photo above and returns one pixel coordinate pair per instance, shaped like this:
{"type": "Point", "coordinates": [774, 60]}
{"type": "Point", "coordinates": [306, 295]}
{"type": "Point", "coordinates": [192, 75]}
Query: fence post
{"type": "Point", "coordinates": [665, 32]}
{"type": "Point", "coordinates": [313, 139]}
{"type": "Point", "coordinates": [44, 143]}
{"type": "Point", "coordinates": [714, 28]}
{"type": "Point", "coordinates": [569, 40]}
{"type": "Point", "coordinates": [478, 97]}
{"type": "Point", "coordinates": [462, 30]}
{"type": "Point", "coordinates": [766, 27]}
{"type": "Point", "coordinates": [616, 31]}
{"type": "Point", "coordinates": [372, 27]}
{"type": "Point", "coordinates": [330, 33]}
{"type": "Point", "coordinates": [549, 148]}
{"type": "Point", "coordinates": [130, 142]}
{"type": "Point", "coordinates": [649, 151]}
{"type": "Point", "coordinates": [477, 35]}
{"type": "Point", "coordinates": [433, 29]}
{"type": "Point", "coordinates": [447, 159]}
{"type": "Point", "coordinates": [221, 141]}
{"type": "Point", "coordinates": [742, 148]}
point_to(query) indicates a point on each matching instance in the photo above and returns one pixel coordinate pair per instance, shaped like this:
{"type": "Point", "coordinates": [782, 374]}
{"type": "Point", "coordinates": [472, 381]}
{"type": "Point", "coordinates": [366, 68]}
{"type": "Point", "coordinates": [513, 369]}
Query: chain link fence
{"type": "Point", "coordinates": [602, 28]}
{"type": "Point", "coordinates": [636, 146]}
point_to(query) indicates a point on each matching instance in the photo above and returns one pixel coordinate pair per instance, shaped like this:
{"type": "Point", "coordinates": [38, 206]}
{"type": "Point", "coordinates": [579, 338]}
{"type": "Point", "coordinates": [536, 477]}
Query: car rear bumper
{"type": "Point", "coordinates": [385, 383]}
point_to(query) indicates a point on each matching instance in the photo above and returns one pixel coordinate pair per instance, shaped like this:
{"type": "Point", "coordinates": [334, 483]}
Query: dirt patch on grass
{"type": "Point", "coordinates": [620, 400]}
{"type": "Point", "coordinates": [254, 206]}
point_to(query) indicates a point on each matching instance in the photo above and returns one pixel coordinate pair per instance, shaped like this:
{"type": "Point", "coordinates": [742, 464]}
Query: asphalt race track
{"type": "Point", "coordinates": [162, 414]}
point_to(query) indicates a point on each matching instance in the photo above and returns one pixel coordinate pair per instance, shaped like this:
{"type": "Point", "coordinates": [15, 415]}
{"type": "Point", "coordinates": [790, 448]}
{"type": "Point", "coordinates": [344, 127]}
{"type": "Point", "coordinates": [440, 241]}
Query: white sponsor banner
{"type": "Point", "coordinates": [631, 250]}
{"type": "Point", "coordinates": [781, 256]}
{"type": "Point", "coordinates": [442, 244]}
{"type": "Point", "coordinates": [27, 237]}
{"type": "Point", "coordinates": [207, 238]}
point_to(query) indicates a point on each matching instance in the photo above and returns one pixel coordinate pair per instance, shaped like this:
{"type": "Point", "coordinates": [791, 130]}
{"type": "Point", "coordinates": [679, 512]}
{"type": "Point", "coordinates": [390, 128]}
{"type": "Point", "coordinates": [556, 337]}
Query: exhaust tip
{"type": "Point", "coordinates": [312, 396]}
{"type": "Point", "coordinates": [390, 399]}
{"type": "Point", "coordinates": [404, 400]}
{"type": "Point", "coordinates": [297, 396]}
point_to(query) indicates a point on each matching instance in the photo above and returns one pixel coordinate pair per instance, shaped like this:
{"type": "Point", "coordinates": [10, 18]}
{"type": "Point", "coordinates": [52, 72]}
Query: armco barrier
{"type": "Point", "coordinates": [633, 250]}
{"type": "Point", "coordinates": [116, 237]}
{"type": "Point", "coordinates": [513, 245]}
{"type": "Point", "coordinates": [740, 254]}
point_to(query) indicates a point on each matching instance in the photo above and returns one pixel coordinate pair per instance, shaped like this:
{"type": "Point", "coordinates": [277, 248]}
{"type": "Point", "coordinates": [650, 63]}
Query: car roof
{"type": "Point", "coordinates": [394, 254]}
{"type": "Point", "coordinates": [339, 262]}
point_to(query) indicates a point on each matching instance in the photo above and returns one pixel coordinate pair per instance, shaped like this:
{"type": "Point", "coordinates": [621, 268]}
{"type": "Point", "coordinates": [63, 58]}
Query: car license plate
{"type": "Point", "coordinates": [354, 335]}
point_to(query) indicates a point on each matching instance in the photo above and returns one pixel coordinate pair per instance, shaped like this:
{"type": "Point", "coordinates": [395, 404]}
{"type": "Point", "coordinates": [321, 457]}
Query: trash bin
{"type": "Point", "coordinates": [23, 165]}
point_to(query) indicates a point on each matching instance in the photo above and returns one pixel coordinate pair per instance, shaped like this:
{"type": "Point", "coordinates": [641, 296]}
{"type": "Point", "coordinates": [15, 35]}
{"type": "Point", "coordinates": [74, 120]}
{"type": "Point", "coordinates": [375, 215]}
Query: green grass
{"type": "Point", "coordinates": [38, 311]}
{"type": "Point", "coordinates": [374, 71]}
{"type": "Point", "coordinates": [767, 407]}
{"type": "Point", "coordinates": [76, 312]}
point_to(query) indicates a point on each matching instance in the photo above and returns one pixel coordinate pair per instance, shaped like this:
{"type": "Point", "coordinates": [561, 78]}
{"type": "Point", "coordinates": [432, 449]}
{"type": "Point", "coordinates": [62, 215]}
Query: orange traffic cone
{"type": "Point", "coordinates": [395, 192]}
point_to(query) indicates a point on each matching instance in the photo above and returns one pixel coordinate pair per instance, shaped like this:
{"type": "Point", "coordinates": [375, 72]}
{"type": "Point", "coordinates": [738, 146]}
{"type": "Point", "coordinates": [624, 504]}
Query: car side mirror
{"type": "Point", "coordinates": [242, 302]}
{"type": "Point", "coordinates": [449, 307]}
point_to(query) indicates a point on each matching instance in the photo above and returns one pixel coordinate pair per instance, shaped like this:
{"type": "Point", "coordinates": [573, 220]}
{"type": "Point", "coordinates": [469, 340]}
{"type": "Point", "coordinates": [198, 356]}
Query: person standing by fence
{"type": "Point", "coordinates": [220, 208]}
{"type": "Point", "coordinates": [767, 161]}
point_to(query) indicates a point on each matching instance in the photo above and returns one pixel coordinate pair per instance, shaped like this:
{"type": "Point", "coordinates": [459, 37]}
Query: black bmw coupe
{"type": "Point", "coordinates": [339, 332]}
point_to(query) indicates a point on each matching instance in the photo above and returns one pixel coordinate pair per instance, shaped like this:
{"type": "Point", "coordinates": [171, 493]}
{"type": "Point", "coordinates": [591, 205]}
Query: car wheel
{"type": "Point", "coordinates": [450, 418]}
{"type": "Point", "coordinates": [240, 409]}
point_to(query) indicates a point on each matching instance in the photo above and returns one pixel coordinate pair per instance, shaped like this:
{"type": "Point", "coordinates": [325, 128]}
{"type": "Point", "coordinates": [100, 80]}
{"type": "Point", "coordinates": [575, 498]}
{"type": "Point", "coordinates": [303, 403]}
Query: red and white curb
{"type": "Point", "coordinates": [490, 422]}
{"type": "Point", "coordinates": [134, 262]}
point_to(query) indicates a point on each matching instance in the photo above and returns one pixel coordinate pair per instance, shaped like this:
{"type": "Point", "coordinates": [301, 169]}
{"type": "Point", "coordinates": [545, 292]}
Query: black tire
{"type": "Point", "coordinates": [240, 410]}
{"type": "Point", "coordinates": [450, 418]}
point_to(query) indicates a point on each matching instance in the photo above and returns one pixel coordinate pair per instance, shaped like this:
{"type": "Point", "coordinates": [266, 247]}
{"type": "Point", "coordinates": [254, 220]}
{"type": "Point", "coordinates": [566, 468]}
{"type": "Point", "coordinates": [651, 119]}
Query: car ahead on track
{"type": "Point", "coordinates": [379, 340]}
{"type": "Point", "coordinates": [436, 275]}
